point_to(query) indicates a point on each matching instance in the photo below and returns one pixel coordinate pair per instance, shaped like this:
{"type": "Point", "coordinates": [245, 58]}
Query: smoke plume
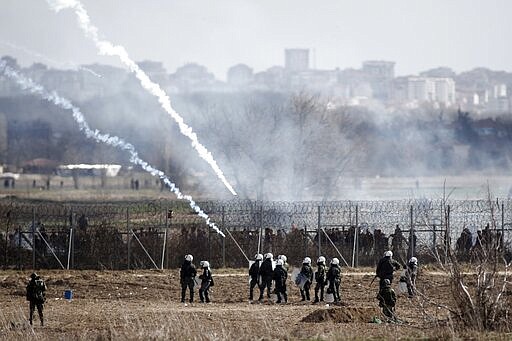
{"type": "Point", "coordinates": [107, 48]}
{"type": "Point", "coordinates": [115, 141]}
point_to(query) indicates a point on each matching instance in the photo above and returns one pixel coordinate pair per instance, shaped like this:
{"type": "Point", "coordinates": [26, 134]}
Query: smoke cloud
{"type": "Point", "coordinates": [107, 48]}
{"type": "Point", "coordinates": [115, 141]}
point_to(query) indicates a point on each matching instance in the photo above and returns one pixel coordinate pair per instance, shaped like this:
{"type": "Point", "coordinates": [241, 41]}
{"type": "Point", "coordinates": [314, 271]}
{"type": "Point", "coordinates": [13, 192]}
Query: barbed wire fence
{"type": "Point", "coordinates": [157, 234]}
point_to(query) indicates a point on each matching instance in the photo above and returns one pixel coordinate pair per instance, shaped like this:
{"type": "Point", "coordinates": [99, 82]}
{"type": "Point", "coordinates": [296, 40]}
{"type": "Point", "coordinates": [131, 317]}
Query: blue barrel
{"type": "Point", "coordinates": [68, 294]}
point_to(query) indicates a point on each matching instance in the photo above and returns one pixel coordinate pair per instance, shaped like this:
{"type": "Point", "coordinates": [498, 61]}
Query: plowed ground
{"type": "Point", "coordinates": [145, 305]}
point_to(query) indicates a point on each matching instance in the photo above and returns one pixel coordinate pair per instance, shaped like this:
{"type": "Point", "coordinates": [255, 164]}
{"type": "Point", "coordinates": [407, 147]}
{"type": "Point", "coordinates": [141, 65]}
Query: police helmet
{"type": "Point", "coordinates": [335, 261]}
{"type": "Point", "coordinates": [279, 262]}
{"type": "Point", "coordinates": [306, 260]}
{"type": "Point", "coordinates": [205, 264]}
{"type": "Point", "coordinates": [413, 260]}
{"type": "Point", "coordinates": [189, 258]}
{"type": "Point", "coordinates": [387, 282]}
{"type": "Point", "coordinates": [258, 256]}
{"type": "Point", "coordinates": [33, 275]}
{"type": "Point", "coordinates": [283, 257]}
{"type": "Point", "coordinates": [321, 259]}
{"type": "Point", "coordinates": [388, 254]}
{"type": "Point", "coordinates": [269, 256]}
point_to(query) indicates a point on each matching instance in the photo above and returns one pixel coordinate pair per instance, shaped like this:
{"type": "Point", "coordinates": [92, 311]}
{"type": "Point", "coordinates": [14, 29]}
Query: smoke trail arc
{"type": "Point", "coordinates": [115, 141]}
{"type": "Point", "coordinates": [49, 60]}
{"type": "Point", "coordinates": [107, 48]}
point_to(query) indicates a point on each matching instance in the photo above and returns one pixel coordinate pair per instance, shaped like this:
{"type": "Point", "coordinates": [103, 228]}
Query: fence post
{"type": "Point", "coordinates": [319, 234]}
{"type": "Point", "coordinates": [501, 242]}
{"type": "Point", "coordinates": [411, 235]}
{"type": "Point", "coordinates": [447, 234]}
{"type": "Point", "coordinates": [73, 251]}
{"type": "Point", "coordinates": [224, 239]}
{"type": "Point", "coordinates": [165, 254]}
{"type": "Point", "coordinates": [129, 236]}
{"type": "Point", "coordinates": [208, 229]}
{"type": "Point", "coordinates": [33, 238]}
{"type": "Point", "coordinates": [354, 245]}
{"type": "Point", "coordinates": [261, 229]}
{"type": "Point", "coordinates": [70, 240]}
{"type": "Point", "coordinates": [434, 239]}
{"type": "Point", "coordinates": [305, 240]}
{"type": "Point", "coordinates": [357, 232]}
{"type": "Point", "coordinates": [19, 248]}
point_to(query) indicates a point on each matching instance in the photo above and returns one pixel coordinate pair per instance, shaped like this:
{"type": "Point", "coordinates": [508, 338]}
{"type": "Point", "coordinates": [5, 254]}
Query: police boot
{"type": "Point", "coordinates": [285, 295]}
{"type": "Point", "coordinates": [207, 297]}
{"type": "Point", "coordinates": [303, 297]}
{"type": "Point", "coordinates": [192, 297]}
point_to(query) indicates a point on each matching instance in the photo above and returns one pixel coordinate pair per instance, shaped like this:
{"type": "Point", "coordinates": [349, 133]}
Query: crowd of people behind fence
{"type": "Point", "coordinates": [475, 245]}
{"type": "Point", "coordinates": [89, 241]}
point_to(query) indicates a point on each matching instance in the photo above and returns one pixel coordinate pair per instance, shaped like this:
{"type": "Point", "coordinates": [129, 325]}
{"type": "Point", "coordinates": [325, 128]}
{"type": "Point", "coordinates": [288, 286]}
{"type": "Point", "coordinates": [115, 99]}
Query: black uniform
{"type": "Point", "coordinates": [334, 278]}
{"type": "Point", "coordinates": [385, 269]}
{"type": "Point", "coordinates": [36, 295]}
{"type": "Point", "coordinates": [253, 273]}
{"type": "Point", "coordinates": [279, 277]}
{"type": "Point", "coordinates": [187, 274]}
{"type": "Point", "coordinates": [307, 272]}
{"type": "Point", "coordinates": [320, 282]}
{"type": "Point", "coordinates": [387, 300]}
{"type": "Point", "coordinates": [206, 283]}
{"type": "Point", "coordinates": [411, 272]}
{"type": "Point", "coordinates": [266, 273]}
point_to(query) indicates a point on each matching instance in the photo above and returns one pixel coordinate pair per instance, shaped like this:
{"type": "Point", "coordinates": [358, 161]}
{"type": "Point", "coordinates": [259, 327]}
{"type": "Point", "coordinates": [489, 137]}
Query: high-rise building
{"type": "Point", "coordinates": [380, 75]}
{"type": "Point", "coordinates": [296, 60]}
{"type": "Point", "coordinates": [421, 89]}
{"type": "Point", "coordinates": [379, 69]}
{"type": "Point", "coordinates": [445, 90]}
{"type": "Point", "coordinates": [426, 89]}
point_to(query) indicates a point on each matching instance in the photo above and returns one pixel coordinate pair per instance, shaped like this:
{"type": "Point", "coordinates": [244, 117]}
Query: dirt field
{"type": "Point", "coordinates": [145, 305]}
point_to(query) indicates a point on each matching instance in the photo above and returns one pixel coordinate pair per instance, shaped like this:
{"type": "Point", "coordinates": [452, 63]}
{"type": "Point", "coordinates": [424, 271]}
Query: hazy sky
{"type": "Point", "coordinates": [417, 35]}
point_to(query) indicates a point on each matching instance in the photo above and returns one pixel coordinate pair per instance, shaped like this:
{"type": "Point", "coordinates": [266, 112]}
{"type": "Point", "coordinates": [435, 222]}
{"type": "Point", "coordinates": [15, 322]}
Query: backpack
{"type": "Point", "coordinates": [39, 289]}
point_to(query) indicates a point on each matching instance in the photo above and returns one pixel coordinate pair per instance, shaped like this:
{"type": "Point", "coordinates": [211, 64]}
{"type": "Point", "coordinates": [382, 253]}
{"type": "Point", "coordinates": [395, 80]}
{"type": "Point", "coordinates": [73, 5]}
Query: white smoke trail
{"type": "Point", "coordinates": [107, 48]}
{"type": "Point", "coordinates": [49, 60]}
{"type": "Point", "coordinates": [28, 84]}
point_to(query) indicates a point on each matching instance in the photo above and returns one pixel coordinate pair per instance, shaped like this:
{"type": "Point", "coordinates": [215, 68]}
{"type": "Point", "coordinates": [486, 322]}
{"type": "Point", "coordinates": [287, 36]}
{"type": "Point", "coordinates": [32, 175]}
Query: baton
{"type": "Point", "coordinates": [373, 280]}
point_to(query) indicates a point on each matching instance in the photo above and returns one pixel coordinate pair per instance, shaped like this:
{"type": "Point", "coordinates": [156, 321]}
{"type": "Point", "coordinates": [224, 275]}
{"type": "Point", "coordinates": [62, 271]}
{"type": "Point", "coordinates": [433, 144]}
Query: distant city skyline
{"type": "Point", "coordinates": [417, 36]}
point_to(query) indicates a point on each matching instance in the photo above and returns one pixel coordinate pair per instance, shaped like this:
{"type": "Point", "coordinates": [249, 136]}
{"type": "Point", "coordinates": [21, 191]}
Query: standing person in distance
{"type": "Point", "coordinates": [36, 295]}
{"type": "Point", "coordinates": [320, 278]}
{"type": "Point", "coordinates": [386, 267]}
{"type": "Point", "coordinates": [187, 275]}
{"type": "Point", "coordinates": [254, 274]}
{"type": "Point", "coordinates": [387, 299]}
{"type": "Point", "coordinates": [411, 271]}
{"type": "Point", "coordinates": [280, 276]}
{"type": "Point", "coordinates": [307, 272]}
{"type": "Point", "coordinates": [206, 282]}
{"type": "Point", "coordinates": [284, 259]}
{"type": "Point", "coordinates": [334, 278]}
{"type": "Point", "coordinates": [266, 273]}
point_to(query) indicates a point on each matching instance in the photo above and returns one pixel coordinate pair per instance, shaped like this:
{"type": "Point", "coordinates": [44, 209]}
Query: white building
{"type": "Point", "coordinates": [444, 90]}
{"type": "Point", "coordinates": [427, 89]}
